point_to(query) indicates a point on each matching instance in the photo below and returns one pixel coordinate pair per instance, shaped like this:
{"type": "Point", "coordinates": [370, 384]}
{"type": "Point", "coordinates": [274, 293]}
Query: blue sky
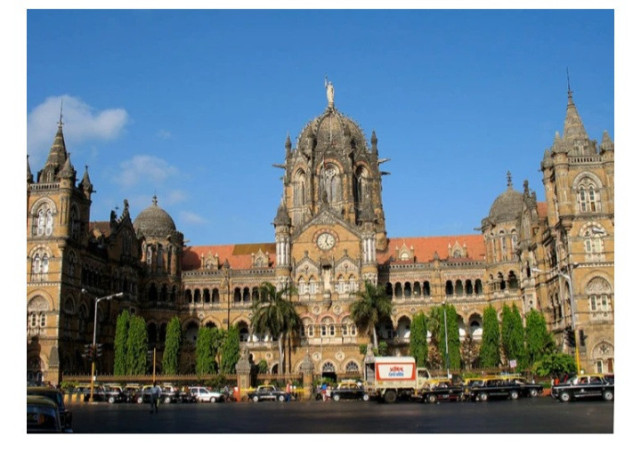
{"type": "Point", "coordinates": [195, 105]}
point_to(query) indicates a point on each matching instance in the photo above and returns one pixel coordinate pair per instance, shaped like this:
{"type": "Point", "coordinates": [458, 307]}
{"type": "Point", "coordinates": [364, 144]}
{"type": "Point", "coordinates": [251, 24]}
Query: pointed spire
{"type": "Point", "coordinates": [29, 175]}
{"type": "Point", "coordinates": [606, 142]}
{"type": "Point", "coordinates": [86, 184]}
{"type": "Point", "coordinates": [154, 200]}
{"type": "Point", "coordinates": [68, 172]}
{"type": "Point", "coordinates": [573, 127]}
{"type": "Point", "coordinates": [288, 146]}
{"type": "Point", "coordinates": [374, 142]}
{"type": "Point", "coordinates": [509, 180]}
{"type": "Point", "coordinates": [58, 152]}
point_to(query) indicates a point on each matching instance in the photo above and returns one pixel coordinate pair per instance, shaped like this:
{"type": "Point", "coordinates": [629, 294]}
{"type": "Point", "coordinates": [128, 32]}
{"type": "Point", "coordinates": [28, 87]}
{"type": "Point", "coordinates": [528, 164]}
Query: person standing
{"type": "Point", "coordinates": [155, 396]}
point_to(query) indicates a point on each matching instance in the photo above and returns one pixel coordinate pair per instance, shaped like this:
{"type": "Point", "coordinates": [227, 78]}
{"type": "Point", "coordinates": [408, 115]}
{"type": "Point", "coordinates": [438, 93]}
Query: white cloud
{"type": "Point", "coordinates": [176, 196]}
{"type": "Point", "coordinates": [163, 134]}
{"type": "Point", "coordinates": [81, 123]}
{"type": "Point", "coordinates": [192, 218]}
{"type": "Point", "coordinates": [144, 169]}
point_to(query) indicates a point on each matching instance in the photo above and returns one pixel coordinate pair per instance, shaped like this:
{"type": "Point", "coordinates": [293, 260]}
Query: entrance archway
{"type": "Point", "coordinates": [328, 371]}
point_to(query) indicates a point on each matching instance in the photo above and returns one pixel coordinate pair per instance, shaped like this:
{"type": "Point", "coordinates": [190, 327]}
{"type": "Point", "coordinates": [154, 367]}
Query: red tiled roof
{"type": "Point", "coordinates": [238, 255]}
{"type": "Point", "coordinates": [425, 247]}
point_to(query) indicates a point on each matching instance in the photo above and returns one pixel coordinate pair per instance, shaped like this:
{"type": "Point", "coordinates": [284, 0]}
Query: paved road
{"type": "Point", "coordinates": [538, 415]}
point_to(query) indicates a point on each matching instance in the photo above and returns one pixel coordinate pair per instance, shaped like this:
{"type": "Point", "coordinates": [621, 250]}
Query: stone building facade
{"type": "Point", "coordinates": [329, 238]}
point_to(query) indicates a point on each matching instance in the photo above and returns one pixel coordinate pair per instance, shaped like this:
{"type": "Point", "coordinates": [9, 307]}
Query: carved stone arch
{"type": "Point", "coordinates": [328, 366]}
{"type": "Point", "coordinates": [598, 283]}
{"type": "Point", "coordinates": [43, 201]}
{"type": "Point", "coordinates": [40, 301]}
{"type": "Point", "coordinates": [603, 349]}
{"type": "Point", "coordinates": [586, 176]}
{"type": "Point", "coordinates": [210, 320]}
{"type": "Point", "coordinates": [69, 305]}
{"type": "Point", "coordinates": [351, 366]}
{"type": "Point", "coordinates": [41, 248]}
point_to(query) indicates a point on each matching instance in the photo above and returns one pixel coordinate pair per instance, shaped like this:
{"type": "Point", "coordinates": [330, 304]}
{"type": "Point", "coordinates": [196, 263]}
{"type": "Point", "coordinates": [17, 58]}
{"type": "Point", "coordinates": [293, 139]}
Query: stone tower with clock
{"type": "Point", "coordinates": [330, 222]}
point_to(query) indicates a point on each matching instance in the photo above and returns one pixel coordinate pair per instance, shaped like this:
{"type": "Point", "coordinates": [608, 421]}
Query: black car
{"type": "Point", "coordinates": [587, 386]}
{"type": "Point", "coordinates": [55, 395]}
{"type": "Point", "coordinates": [442, 391]}
{"type": "Point", "coordinates": [267, 393]}
{"type": "Point", "coordinates": [492, 388]}
{"type": "Point", "coordinates": [42, 415]}
{"type": "Point", "coordinates": [348, 390]}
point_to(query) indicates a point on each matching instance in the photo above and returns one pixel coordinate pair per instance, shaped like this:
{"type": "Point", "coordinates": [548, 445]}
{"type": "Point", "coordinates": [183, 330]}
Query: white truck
{"type": "Point", "coordinates": [388, 378]}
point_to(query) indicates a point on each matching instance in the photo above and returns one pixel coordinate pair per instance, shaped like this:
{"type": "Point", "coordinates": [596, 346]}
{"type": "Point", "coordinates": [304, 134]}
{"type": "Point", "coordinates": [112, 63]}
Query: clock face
{"type": "Point", "coordinates": [325, 241]}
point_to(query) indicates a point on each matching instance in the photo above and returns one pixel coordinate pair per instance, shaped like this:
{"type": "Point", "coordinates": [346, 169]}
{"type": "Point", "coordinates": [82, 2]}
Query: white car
{"type": "Point", "coordinates": [202, 394]}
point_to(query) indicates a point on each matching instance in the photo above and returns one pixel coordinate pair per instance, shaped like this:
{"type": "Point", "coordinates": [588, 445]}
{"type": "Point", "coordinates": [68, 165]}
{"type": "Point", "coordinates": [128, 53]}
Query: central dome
{"type": "Point", "coordinates": [332, 128]}
{"type": "Point", "coordinates": [154, 221]}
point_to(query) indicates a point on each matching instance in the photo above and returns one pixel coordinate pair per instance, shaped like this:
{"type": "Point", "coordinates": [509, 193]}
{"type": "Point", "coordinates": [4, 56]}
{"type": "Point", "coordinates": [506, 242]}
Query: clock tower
{"type": "Point", "coordinates": [330, 222]}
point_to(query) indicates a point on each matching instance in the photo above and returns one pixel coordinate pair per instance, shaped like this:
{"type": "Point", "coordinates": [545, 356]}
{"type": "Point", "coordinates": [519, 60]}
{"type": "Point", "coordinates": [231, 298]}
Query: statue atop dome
{"type": "Point", "coordinates": [330, 93]}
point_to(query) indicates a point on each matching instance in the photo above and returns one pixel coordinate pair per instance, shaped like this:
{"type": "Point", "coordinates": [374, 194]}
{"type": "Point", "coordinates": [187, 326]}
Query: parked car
{"type": "Point", "coordinates": [169, 394]}
{"type": "Point", "coordinates": [585, 386]}
{"type": "Point", "coordinates": [57, 397]}
{"type": "Point", "coordinates": [143, 395]}
{"type": "Point", "coordinates": [130, 391]}
{"type": "Point", "coordinates": [495, 387]}
{"type": "Point", "coordinates": [185, 396]}
{"type": "Point", "coordinates": [441, 390]}
{"type": "Point", "coordinates": [349, 390]}
{"type": "Point", "coordinates": [267, 393]}
{"type": "Point", "coordinates": [42, 415]}
{"type": "Point", "coordinates": [203, 394]}
{"type": "Point", "coordinates": [113, 394]}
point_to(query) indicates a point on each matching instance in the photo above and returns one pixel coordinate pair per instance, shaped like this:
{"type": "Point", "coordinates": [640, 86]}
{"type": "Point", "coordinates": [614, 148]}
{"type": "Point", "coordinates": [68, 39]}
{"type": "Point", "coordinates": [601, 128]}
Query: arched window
{"type": "Point", "coordinates": [449, 288]}
{"type": "Point", "coordinates": [588, 196]}
{"type": "Point", "coordinates": [299, 189]}
{"type": "Point", "coordinates": [426, 288]}
{"type": "Point", "coordinates": [215, 296]}
{"type": "Point", "coordinates": [327, 328]}
{"type": "Point", "coordinates": [407, 291]}
{"type": "Point", "coordinates": [352, 368]}
{"type": "Point", "coordinates": [398, 291]}
{"type": "Point", "coordinates": [469, 290]}
{"type": "Point", "coordinates": [478, 287]}
{"type": "Point", "coordinates": [600, 298]}
{"type": "Point", "coordinates": [246, 295]}
{"type": "Point", "coordinates": [159, 257]}
{"type": "Point", "coordinates": [74, 224]}
{"type": "Point", "coordinates": [42, 221]}
{"type": "Point", "coordinates": [458, 288]}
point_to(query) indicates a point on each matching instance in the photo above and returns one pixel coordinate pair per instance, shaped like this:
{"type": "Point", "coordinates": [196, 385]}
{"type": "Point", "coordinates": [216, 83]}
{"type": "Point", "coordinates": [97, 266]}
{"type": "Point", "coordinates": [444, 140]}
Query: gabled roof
{"type": "Point", "coordinates": [426, 246]}
{"type": "Point", "coordinates": [239, 256]}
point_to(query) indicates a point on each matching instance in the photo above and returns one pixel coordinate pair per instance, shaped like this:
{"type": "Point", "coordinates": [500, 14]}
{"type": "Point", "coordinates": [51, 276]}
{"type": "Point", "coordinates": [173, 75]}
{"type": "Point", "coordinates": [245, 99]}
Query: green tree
{"type": "Point", "coordinates": [371, 307]}
{"type": "Point", "coordinates": [205, 360]}
{"type": "Point", "coordinates": [512, 334]}
{"type": "Point", "coordinates": [274, 313]}
{"type": "Point", "coordinates": [490, 353]}
{"type": "Point", "coordinates": [538, 341]}
{"type": "Point", "coordinates": [436, 323]}
{"type": "Point", "coordinates": [172, 347]}
{"type": "Point", "coordinates": [418, 339]}
{"type": "Point", "coordinates": [555, 365]}
{"type": "Point", "coordinates": [136, 346]}
{"type": "Point", "coordinates": [230, 353]}
{"type": "Point", "coordinates": [120, 343]}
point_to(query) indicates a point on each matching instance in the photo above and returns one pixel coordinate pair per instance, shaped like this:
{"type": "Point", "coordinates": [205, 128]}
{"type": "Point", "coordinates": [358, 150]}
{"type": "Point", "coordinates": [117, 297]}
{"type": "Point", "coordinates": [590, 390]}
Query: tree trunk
{"type": "Point", "coordinates": [281, 355]}
{"type": "Point", "coordinates": [375, 338]}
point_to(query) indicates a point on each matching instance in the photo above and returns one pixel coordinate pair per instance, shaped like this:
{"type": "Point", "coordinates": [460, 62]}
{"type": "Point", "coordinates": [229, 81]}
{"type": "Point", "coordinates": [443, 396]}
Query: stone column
{"type": "Point", "coordinates": [243, 374]}
{"type": "Point", "coordinates": [307, 368]}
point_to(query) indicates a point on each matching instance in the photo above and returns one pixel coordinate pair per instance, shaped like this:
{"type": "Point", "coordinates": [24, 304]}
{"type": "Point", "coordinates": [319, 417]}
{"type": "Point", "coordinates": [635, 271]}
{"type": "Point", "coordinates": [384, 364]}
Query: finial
{"type": "Point", "coordinates": [154, 200]}
{"type": "Point", "coordinates": [567, 71]}
{"type": "Point", "coordinates": [60, 119]}
{"type": "Point", "coordinates": [330, 93]}
{"type": "Point", "coordinates": [509, 179]}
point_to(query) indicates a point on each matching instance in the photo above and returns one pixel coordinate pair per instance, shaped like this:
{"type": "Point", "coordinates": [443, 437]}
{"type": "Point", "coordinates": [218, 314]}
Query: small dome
{"type": "Point", "coordinates": [154, 221]}
{"type": "Point", "coordinates": [508, 206]}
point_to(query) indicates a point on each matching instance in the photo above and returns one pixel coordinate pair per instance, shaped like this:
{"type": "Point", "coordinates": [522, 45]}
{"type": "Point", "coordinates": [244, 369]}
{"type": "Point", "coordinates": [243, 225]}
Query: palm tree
{"type": "Point", "coordinates": [373, 305]}
{"type": "Point", "coordinates": [273, 313]}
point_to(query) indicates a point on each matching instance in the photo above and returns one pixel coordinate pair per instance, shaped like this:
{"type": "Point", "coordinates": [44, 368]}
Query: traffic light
{"type": "Point", "coordinates": [570, 334]}
{"type": "Point", "coordinates": [98, 353]}
{"type": "Point", "coordinates": [582, 337]}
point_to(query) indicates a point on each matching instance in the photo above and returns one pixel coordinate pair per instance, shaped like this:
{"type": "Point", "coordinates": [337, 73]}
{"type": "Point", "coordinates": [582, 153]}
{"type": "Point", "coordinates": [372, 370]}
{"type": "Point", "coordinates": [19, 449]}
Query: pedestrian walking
{"type": "Point", "coordinates": [154, 398]}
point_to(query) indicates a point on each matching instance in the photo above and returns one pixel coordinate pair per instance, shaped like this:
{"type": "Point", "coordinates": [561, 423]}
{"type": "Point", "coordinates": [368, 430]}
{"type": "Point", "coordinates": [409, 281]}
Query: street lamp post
{"type": "Point", "coordinates": [572, 315]}
{"type": "Point", "coordinates": [447, 352]}
{"type": "Point", "coordinates": [93, 343]}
